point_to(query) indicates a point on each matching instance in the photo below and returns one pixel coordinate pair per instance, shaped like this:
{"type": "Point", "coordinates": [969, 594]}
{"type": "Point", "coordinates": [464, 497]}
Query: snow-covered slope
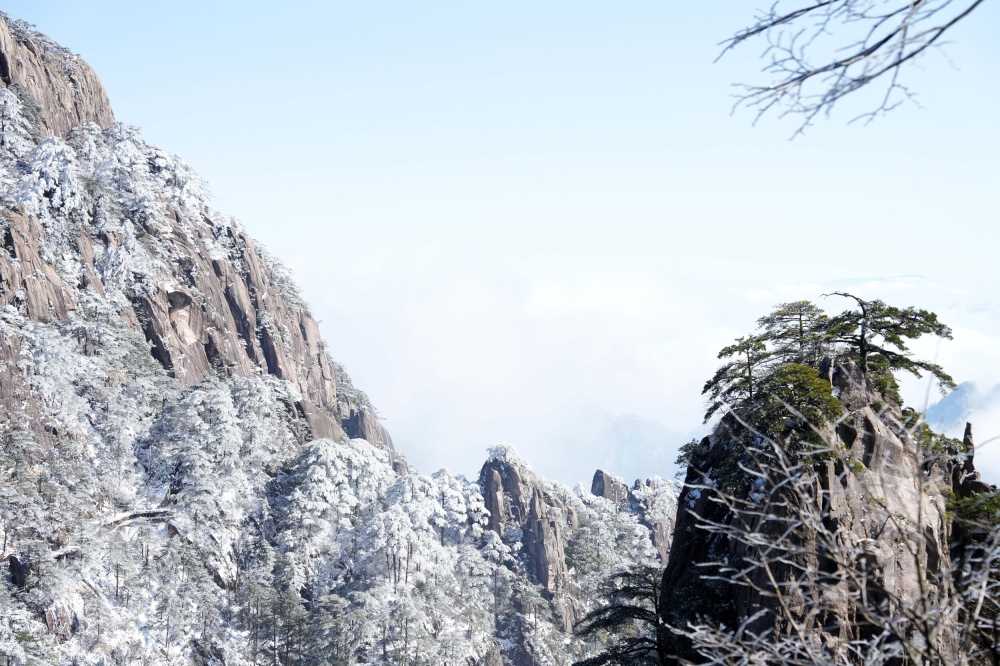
{"type": "Point", "coordinates": [188, 477]}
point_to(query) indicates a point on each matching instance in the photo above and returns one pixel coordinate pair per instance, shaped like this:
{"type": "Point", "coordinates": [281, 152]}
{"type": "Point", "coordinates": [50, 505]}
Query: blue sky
{"type": "Point", "coordinates": [536, 224]}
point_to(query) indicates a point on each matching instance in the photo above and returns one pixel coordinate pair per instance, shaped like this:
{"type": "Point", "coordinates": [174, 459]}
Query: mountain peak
{"type": "Point", "coordinates": [55, 84]}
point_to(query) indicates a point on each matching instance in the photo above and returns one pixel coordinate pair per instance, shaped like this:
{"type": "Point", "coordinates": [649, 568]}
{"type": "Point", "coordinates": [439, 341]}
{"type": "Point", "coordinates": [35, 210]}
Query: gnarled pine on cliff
{"type": "Point", "coordinates": [815, 524]}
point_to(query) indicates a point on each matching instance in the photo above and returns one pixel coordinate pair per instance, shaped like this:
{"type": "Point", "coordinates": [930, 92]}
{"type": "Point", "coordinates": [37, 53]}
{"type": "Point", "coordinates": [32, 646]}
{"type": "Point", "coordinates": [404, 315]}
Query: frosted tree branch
{"type": "Point", "coordinates": [818, 53]}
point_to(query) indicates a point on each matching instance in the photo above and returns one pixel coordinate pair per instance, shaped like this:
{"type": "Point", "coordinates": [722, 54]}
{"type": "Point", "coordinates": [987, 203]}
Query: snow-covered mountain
{"type": "Point", "coordinates": [186, 474]}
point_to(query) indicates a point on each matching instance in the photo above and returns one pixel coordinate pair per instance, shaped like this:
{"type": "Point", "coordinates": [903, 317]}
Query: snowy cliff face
{"type": "Point", "coordinates": [187, 477]}
{"type": "Point", "coordinates": [102, 219]}
{"type": "Point", "coordinates": [565, 543]}
{"type": "Point", "coordinates": [58, 88]}
{"type": "Point", "coordinates": [653, 501]}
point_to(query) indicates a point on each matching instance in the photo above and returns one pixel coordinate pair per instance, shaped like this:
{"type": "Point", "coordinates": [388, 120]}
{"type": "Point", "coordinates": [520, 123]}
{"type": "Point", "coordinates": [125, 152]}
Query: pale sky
{"type": "Point", "coordinates": [536, 225]}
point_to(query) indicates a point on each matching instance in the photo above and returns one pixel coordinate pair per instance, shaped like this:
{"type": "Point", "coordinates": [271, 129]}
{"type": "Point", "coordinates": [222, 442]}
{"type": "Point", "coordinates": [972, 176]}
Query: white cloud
{"type": "Point", "coordinates": [461, 356]}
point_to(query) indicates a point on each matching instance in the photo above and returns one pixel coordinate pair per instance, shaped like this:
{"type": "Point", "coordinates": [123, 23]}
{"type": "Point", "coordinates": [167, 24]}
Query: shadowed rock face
{"type": "Point", "coordinates": [58, 85]}
{"type": "Point", "coordinates": [889, 483]}
{"type": "Point", "coordinates": [18, 571]}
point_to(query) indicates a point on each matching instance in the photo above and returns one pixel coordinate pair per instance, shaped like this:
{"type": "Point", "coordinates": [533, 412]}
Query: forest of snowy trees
{"type": "Point", "coordinates": [155, 518]}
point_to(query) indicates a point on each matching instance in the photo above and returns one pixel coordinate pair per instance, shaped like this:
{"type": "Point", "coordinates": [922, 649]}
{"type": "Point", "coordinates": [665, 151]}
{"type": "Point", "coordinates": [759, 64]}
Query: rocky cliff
{"type": "Point", "coordinates": [567, 542]}
{"type": "Point", "coordinates": [206, 299]}
{"type": "Point", "coordinates": [653, 501]}
{"type": "Point", "coordinates": [58, 88]}
{"type": "Point", "coordinates": [881, 494]}
{"type": "Point", "coordinates": [539, 516]}
{"type": "Point", "coordinates": [521, 509]}
{"type": "Point", "coordinates": [201, 314]}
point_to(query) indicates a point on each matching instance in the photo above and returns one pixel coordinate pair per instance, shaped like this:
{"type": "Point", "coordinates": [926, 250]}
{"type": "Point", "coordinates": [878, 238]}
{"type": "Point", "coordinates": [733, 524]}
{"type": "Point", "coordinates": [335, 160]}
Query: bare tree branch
{"type": "Point", "coordinates": [818, 53]}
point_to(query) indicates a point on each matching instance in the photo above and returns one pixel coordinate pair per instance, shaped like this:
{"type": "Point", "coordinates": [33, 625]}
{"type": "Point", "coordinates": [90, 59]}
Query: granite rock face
{"type": "Point", "coordinates": [521, 508]}
{"type": "Point", "coordinates": [62, 617]}
{"type": "Point", "coordinates": [610, 488]}
{"type": "Point", "coordinates": [125, 229]}
{"type": "Point", "coordinates": [546, 528]}
{"type": "Point", "coordinates": [226, 314]}
{"type": "Point", "coordinates": [59, 87]}
{"type": "Point", "coordinates": [222, 314]}
{"type": "Point", "coordinates": [26, 280]}
{"type": "Point", "coordinates": [868, 505]}
{"type": "Point", "coordinates": [654, 501]}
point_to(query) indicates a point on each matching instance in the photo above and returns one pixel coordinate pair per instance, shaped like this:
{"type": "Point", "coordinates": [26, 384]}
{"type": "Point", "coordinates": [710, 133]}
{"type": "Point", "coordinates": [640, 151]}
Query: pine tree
{"type": "Point", "coordinates": [329, 633]}
{"type": "Point", "coordinates": [627, 613]}
{"type": "Point", "coordinates": [796, 332]}
{"type": "Point", "coordinates": [735, 382]}
{"type": "Point", "coordinates": [876, 335]}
